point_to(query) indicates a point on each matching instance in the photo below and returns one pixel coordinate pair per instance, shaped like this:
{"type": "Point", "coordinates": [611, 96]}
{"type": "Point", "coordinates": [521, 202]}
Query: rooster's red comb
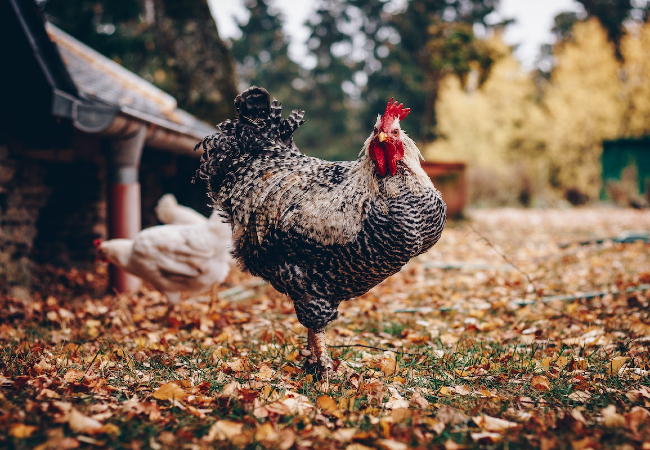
{"type": "Point", "coordinates": [97, 242]}
{"type": "Point", "coordinates": [394, 111]}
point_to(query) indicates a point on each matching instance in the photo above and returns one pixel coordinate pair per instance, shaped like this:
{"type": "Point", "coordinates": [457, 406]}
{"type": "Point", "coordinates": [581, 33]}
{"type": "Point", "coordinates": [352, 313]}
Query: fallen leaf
{"type": "Point", "coordinates": [444, 390]}
{"type": "Point", "coordinates": [611, 418]}
{"type": "Point", "coordinates": [541, 383]}
{"type": "Point", "coordinates": [73, 376]}
{"type": "Point", "coordinates": [356, 446]}
{"type": "Point", "coordinates": [223, 430]}
{"type": "Point", "coordinates": [79, 423]}
{"type": "Point", "coordinates": [635, 418]}
{"type": "Point", "coordinates": [419, 401]}
{"type": "Point", "coordinates": [450, 416]}
{"type": "Point", "coordinates": [47, 393]}
{"type": "Point", "coordinates": [486, 437]}
{"type": "Point", "coordinates": [580, 396]}
{"type": "Point", "coordinates": [265, 372]}
{"type": "Point", "coordinates": [170, 391]}
{"type": "Point", "coordinates": [390, 444]}
{"type": "Point", "coordinates": [462, 390]}
{"type": "Point", "coordinates": [388, 365]}
{"type": "Point", "coordinates": [344, 434]}
{"type": "Point", "coordinates": [493, 423]}
{"type": "Point", "coordinates": [328, 405]}
{"type": "Point", "coordinates": [22, 431]}
{"type": "Point", "coordinates": [296, 403]}
{"type": "Point", "coordinates": [616, 364]}
{"type": "Point", "coordinates": [239, 365]}
{"type": "Point", "coordinates": [396, 400]}
{"type": "Point", "coordinates": [266, 432]}
{"type": "Point", "coordinates": [286, 438]}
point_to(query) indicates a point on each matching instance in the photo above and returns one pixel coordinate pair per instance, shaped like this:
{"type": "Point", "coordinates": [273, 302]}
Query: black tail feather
{"type": "Point", "coordinates": [253, 103]}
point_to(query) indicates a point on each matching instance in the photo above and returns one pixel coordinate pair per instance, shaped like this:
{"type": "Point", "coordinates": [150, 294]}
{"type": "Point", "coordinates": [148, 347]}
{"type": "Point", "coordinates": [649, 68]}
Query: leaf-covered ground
{"type": "Point", "coordinates": [501, 336]}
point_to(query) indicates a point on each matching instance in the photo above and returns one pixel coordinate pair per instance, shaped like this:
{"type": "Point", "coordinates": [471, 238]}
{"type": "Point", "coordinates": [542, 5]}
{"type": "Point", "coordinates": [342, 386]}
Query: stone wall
{"type": "Point", "coordinates": [52, 205]}
{"type": "Point", "coordinates": [53, 202]}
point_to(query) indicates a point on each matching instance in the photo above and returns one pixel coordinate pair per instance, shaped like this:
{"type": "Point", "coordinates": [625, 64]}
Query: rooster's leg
{"type": "Point", "coordinates": [319, 356]}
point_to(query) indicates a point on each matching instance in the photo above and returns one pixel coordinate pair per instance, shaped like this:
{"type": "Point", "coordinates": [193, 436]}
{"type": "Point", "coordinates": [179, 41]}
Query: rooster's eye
{"type": "Point", "coordinates": [376, 130]}
{"type": "Point", "coordinates": [395, 131]}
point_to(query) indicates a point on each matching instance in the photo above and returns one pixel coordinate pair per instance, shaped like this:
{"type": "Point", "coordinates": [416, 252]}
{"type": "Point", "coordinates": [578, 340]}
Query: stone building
{"type": "Point", "coordinates": [86, 149]}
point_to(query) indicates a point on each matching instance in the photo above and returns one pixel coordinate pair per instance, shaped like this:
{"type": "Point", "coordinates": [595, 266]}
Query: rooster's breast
{"type": "Point", "coordinates": [389, 236]}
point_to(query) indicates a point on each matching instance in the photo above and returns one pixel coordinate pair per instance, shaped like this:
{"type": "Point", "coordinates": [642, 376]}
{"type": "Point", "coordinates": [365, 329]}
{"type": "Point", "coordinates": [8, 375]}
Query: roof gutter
{"type": "Point", "coordinates": [113, 121]}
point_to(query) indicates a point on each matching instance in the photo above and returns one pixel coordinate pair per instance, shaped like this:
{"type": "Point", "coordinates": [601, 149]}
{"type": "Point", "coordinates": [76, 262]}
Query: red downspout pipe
{"type": "Point", "coordinates": [125, 151]}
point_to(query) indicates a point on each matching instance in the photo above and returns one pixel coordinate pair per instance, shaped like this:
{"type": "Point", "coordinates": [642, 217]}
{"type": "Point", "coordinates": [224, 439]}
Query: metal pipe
{"type": "Point", "coordinates": [124, 194]}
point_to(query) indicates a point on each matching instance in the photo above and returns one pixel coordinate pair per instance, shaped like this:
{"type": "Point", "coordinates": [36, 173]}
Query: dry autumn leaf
{"type": "Point", "coordinates": [239, 365]}
{"type": "Point", "coordinates": [390, 444]}
{"type": "Point", "coordinates": [80, 423]}
{"type": "Point", "coordinates": [611, 418]}
{"type": "Point", "coordinates": [22, 431]}
{"type": "Point", "coordinates": [489, 423]}
{"type": "Point", "coordinates": [541, 383]}
{"type": "Point", "coordinates": [223, 430]}
{"type": "Point", "coordinates": [487, 437]}
{"type": "Point", "coordinates": [616, 364]}
{"type": "Point", "coordinates": [635, 418]}
{"type": "Point", "coordinates": [170, 391]}
{"type": "Point", "coordinates": [327, 404]}
{"type": "Point", "coordinates": [265, 372]}
{"type": "Point", "coordinates": [356, 446]}
{"type": "Point", "coordinates": [388, 365]}
{"type": "Point", "coordinates": [580, 396]}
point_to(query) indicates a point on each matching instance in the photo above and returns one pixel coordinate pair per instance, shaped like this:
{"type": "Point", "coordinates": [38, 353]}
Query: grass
{"type": "Point", "coordinates": [419, 379]}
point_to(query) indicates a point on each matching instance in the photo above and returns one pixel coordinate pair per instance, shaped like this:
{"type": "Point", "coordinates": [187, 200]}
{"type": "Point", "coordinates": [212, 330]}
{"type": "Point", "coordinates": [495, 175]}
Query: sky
{"type": "Point", "coordinates": [534, 20]}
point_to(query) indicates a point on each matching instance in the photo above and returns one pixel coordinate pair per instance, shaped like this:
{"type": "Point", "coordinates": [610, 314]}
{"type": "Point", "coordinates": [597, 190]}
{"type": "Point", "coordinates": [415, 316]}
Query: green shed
{"type": "Point", "coordinates": [626, 163]}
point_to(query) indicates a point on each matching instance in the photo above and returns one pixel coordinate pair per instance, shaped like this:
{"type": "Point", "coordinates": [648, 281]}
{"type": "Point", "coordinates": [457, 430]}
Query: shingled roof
{"type": "Point", "coordinates": [96, 94]}
{"type": "Point", "coordinates": [99, 78]}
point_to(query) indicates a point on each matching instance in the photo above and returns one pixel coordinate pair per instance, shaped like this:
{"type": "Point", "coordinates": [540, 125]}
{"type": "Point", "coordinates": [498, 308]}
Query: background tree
{"type": "Point", "coordinates": [584, 107]}
{"type": "Point", "coordinates": [262, 54]}
{"type": "Point", "coordinates": [172, 43]}
{"type": "Point", "coordinates": [635, 48]}
{"type": "Point", "coordinates": [613, 14]}
{"type": "Point", "coordinates": [497, 128]}
{"type": "Point", "coordinates": [436, 38]}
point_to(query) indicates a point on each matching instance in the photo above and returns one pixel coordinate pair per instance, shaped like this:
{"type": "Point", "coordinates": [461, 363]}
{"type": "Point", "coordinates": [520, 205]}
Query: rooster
{"type": "Point", "coordinates": [320, 232]}
{"type": "Point", "coordinates": [174, 258]}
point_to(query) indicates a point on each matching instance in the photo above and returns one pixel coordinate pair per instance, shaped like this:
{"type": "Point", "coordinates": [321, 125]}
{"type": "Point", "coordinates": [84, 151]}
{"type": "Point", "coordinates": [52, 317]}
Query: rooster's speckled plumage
{"type": "Point", "coordinates": [319, 231]}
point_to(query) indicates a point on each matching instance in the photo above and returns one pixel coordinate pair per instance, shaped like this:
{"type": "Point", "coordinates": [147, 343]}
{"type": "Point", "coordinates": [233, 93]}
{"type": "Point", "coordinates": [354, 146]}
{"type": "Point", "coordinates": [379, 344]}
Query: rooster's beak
{"type": "Point", "coordinates": [382, 136]}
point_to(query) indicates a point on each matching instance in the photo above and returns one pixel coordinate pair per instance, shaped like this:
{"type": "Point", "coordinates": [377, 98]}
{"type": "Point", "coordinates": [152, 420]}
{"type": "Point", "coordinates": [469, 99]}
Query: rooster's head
{"type": "Point", "coordinates": [386, 146]}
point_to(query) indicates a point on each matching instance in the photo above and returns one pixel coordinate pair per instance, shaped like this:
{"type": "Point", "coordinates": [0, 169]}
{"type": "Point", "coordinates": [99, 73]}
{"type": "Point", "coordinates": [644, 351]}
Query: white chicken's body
{"type": "Point", "coordinates": [176, 258]}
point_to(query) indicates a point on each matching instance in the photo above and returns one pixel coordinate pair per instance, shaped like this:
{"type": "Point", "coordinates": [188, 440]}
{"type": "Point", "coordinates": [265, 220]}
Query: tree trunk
{"type": "Point", "coordinates": [200, 64]}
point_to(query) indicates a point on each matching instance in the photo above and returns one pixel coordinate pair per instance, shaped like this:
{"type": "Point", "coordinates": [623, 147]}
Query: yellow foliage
{"type": "Point", "coordinates": [502, 130]}
{"type": "Point", "coordinates": [584, 107]}
{"type": "Point", "coordinates": [485, 126]}
{"type": "Point", "coordinates": [635, 48]}
{"type": "Point", "coordinates": [494, 128]}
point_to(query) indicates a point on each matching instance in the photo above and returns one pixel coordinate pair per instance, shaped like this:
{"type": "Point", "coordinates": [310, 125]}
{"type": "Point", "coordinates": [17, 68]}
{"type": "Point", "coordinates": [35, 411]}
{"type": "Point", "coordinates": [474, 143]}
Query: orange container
{"type": "Point", "coordinates": [450, 180]}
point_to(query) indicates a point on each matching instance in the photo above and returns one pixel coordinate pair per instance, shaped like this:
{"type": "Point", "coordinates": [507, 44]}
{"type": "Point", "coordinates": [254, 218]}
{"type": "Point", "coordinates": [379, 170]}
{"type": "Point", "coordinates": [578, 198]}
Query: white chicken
{"type": "Point", "coordinates": [174, 258]}
{"type": "Point", "coordinates": [170, 212]}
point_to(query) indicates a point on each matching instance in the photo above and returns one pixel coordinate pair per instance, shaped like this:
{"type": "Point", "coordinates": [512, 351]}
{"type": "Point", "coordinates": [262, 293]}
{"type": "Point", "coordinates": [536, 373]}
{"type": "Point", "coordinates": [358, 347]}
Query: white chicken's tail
{"type": "Point", "coordinates": [170, 212]}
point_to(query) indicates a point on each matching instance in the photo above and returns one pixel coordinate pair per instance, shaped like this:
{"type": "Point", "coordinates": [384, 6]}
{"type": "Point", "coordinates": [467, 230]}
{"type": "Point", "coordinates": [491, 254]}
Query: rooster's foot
{"type": "Point", "coordinates": [317, 355]}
